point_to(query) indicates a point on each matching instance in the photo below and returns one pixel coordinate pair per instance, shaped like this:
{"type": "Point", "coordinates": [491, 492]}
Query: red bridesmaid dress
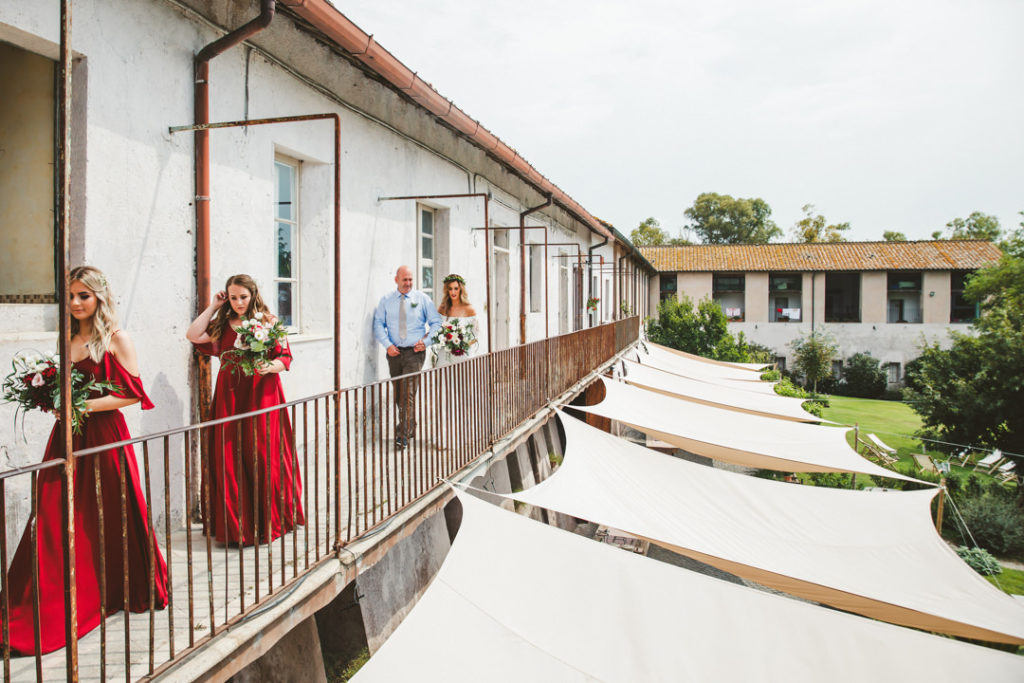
{"type": "Point", "coordinates": [241, 452]}
{"type": "Point", "coordinates": [144, 553]}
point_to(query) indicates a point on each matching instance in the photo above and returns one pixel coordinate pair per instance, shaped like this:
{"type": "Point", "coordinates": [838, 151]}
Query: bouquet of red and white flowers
{"type": "Point", "coordinates": [455, 337]}
{"type": "Point", "coordinates": [34, 384]}
{"type": "Point", "coordinates": [257, 337]}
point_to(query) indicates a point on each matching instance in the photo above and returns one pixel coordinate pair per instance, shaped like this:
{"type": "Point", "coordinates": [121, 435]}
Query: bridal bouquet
{"type": "Point", "coordinates": [34, 384]}
{"type": "Point", "coordinates": [256, 338]}
{"type": "Point", "coordinates": [455, 337]}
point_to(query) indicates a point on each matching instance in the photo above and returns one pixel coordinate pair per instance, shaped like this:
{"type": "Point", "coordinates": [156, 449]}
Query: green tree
{"type": "Point", "coordinates": [649, 234]}
{"type": "Point", "coordinates": [977, 226]}
{"type": "Point", "coordinates": [813, 228]}
{"type": "Point", "coordinates": [703, 330]}
{"type": "Point", "coordinates": [813, 356]}
{"type": "Point", "coordinates": [972, 392]}
{"type": "Point", "coordinates": [893, 236]}
{"type": "Point", "coordinates": [862, 376]}
{"type": "Point", "coordinates": [721, 219]}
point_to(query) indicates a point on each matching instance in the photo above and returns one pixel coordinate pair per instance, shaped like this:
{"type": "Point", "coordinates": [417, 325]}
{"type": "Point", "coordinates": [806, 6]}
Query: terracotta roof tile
{"type": "Point", "coordinates": [930, 255]}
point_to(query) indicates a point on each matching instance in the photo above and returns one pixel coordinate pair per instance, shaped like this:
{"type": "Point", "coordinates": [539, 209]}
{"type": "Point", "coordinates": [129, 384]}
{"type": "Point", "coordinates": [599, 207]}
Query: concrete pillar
{"type": "Point", "coordinates": [936, 297]}
{"type": "Point", "coordinates": [296, 658]}
{"type": "Point", "coordinates": [755, 298]}
{"type": "Point", "coordinates": [874, 296]}
{"type": "Point", "coordinates": [390, 588]}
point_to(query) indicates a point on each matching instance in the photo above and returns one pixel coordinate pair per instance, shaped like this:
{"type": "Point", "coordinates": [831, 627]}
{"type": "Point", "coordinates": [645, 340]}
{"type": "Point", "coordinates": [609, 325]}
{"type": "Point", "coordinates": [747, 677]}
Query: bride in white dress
{"type": "Point", "coordinates": [456, 306]}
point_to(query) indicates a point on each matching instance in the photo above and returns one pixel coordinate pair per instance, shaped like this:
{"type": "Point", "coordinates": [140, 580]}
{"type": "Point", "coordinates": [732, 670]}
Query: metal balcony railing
{"type": "Point", "coordinates": [347, 475]}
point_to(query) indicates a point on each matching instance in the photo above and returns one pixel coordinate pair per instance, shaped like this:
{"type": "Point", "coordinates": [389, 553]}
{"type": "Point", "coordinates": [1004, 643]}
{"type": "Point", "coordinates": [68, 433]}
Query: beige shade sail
{"type": "Point", "coordinates": [871, 552]}
{"type": "Point", "coordinates": [730, 436]}
{"type": "Point", "coordinates": [734, 378]}
{"type": "Point", "coordinates": [752, 367]}
{"type": "Point", "coordinates": [779, 407]}
{"type": "Point", "coordinates": [519, 601]}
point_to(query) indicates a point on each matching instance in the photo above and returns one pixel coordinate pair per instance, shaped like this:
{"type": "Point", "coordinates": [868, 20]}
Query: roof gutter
{"type": "Point", "coordinates": [336, 26]}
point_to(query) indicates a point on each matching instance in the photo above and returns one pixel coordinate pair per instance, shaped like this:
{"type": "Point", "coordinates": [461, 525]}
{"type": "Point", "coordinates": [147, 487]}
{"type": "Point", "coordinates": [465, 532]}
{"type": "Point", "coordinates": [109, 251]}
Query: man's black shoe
{"type": "Point", "coordinates": [401, 443]}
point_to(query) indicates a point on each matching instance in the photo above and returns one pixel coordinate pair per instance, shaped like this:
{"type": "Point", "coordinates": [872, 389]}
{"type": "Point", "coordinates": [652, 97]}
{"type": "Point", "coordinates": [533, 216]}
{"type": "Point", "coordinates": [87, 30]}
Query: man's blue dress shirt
{"type": "Point", "coordinates": [422, 321]}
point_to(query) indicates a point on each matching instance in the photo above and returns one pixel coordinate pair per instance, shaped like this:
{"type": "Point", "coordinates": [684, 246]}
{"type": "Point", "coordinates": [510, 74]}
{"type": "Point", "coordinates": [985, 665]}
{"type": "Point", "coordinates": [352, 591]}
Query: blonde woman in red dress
{"type": "Point", "coordinates": [101, 351]}
{"type": "Point", "coordinates": [247, 456]}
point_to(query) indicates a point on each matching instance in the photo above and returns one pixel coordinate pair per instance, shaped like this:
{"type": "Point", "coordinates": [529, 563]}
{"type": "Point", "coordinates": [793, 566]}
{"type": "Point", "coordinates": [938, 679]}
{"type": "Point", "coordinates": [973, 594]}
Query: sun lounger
{"type": "Point", "coordinates": [1005, 473]}
{"type": "Point", "coordinates": [990, 461]}
{"type": "Point", "coordinates": [882, 446]}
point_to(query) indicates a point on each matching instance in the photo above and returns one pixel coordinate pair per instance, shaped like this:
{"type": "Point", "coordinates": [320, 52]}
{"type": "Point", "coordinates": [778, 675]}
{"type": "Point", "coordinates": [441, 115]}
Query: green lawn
{"type": "Point", "coordinates": [1010, 580]}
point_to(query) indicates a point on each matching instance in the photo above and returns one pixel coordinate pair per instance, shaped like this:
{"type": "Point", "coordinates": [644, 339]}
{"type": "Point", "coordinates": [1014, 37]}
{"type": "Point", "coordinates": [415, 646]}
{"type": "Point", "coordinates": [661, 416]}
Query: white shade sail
{"type": "Point", "coordinates": [871, 552]}
{"type": "Point", "coordinates": [752, 367]}
{"type": "Point", "coordinates": [517, 601]}
{"type": "Point", "coordinates": [739, 438]}
{"type": "Point", "coordinates": [735, 378]}
{"type": "Point", "coordinates": [780, 407]}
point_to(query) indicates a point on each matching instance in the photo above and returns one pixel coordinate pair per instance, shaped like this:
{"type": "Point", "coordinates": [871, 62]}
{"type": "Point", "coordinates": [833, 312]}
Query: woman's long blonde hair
{"type": "Point", "coordinates": [104, 321]}
{"type": "Point", "coordinates": [219, 323]}
{"type": "Point", "coordinates": [446, 303]}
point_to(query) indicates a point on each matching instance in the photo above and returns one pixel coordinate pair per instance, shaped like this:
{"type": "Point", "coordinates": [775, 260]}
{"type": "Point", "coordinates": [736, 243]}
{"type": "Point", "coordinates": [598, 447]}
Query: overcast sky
{"type": "Point", "coordinates": [889, 114]}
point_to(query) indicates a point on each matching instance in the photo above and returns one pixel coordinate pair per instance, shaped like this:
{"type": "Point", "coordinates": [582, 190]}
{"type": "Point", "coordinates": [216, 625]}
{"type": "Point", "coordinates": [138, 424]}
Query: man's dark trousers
{"type": "Point", "coordinates": [407, 361]}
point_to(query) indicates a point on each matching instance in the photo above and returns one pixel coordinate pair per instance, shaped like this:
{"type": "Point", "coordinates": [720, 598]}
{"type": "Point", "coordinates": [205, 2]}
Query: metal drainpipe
{"type": "Point", "coordinates": [201, 98]}
{"type": "Point", "coordinates": [202, 139]}
{"type": "Point", "coordinates": [522, 264]}
{"type": "Point", "coordinates": [590, 268]}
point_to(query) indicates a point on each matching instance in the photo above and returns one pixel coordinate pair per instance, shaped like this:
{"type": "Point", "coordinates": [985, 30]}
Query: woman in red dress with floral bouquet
{"type": "Point", "coordinates": [242, 452]}
{"type": "Point", "coordinates": [99, 350]}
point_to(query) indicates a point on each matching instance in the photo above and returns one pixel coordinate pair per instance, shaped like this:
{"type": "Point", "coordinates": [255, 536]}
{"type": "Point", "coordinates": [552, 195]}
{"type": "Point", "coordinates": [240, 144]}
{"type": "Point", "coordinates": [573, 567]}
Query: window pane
{"type": "Point", "coordinates": [284, 303]}
{"type": "Point", "coordinates": [427, 222]}
{"type": "Point", "coordinates": [428, 247]}
{"type": "Point", "coordinates": [428, 277]}
{"type": "Point", "coordinates": [285, 181]}
{"type": "Point", "coordinates": [284, 250]}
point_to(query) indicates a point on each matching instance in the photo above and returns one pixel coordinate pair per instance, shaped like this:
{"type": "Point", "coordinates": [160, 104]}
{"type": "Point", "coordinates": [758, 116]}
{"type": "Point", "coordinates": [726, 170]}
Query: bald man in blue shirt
{"type": "Point", "coordinates": [404, 321]}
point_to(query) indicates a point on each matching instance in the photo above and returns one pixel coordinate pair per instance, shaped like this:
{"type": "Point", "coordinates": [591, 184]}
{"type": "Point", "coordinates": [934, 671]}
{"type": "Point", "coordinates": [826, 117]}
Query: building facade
{"type": "Point", "coordinates": [886, 298]}
{"type": "Point", "coordinates": [421, 184]}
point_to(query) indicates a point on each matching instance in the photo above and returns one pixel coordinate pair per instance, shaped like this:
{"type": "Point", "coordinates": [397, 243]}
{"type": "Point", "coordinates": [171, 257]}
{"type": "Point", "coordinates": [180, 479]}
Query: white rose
{"type": "Point", "coordinates": [258, 315]}
{"type": "Point", "coordinates": [38, 380]}
{"type": "Point", "coordinates": [245, 324]}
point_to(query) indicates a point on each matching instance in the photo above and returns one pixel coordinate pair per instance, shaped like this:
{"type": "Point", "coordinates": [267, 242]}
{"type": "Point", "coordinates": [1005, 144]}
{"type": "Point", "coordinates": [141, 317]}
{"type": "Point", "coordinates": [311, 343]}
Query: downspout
{"type": "Point", "coordinates": [202, 186]}
{"type": "Point", "coordinates": [202, 140]}
{"type": "Point", "coordinates": [522, 265]}
{"type": "Point", "coordinates": [590, 269]}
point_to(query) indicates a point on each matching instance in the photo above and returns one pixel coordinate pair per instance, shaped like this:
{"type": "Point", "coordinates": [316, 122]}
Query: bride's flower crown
{"type": "Point", "coordinates": [454, 278]}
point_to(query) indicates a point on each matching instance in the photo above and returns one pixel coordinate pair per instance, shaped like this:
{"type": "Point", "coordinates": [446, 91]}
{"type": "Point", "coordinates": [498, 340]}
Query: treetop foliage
{"type": "Point", "coordinates": [650, 234]}
{"type": "Point", "coordinates": [813, 356]}
{"type": "Point", "coordinates": [722, 219]}
{"type": "Point", "coordinates": [893, 236]}
{"type": "Point", "coordinates": [977, 226]}
{"type": "Point", "coordinates": [703, 330]}
{"type": "Point", "coordinates": [813, 228]}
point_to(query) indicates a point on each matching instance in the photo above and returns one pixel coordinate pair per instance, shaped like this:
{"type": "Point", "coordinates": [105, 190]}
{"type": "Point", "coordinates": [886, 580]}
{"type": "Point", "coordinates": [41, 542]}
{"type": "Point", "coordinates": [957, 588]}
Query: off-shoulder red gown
{"type": "Point", "coordinates": [241, 451]}
{"type": "Point", "coordinates": [144, 554]}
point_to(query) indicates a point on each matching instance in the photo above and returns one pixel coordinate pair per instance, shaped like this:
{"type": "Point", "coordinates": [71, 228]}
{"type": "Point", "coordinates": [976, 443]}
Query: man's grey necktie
{"type": "Point", "coordinates": [402, 331]}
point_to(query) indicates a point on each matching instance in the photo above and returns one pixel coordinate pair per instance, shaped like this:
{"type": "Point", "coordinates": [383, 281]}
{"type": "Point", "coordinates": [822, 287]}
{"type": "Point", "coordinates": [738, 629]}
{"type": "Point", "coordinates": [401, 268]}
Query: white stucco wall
{"type": "Point", "coordinates": [139, 216]}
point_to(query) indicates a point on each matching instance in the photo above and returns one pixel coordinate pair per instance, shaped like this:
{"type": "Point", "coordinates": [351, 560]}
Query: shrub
{"type": "Point", "coordinates": [996, 524]}
{"type": "Point", "coordinates": [862, 377]}
{"type": "Point", "coordinates": [772, 375]}
{"type": "Point", "coordinates": [980, 560]}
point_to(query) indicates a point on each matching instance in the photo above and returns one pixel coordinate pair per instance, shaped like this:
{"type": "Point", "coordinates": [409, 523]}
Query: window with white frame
{"type": "Point", "coordinates": [286, 240]}
{"type": "Point", "coordinates": [426, 232]}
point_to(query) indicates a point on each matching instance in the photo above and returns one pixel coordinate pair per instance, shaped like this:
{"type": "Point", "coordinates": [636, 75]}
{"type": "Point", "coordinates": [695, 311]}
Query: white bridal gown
{"type": "Point", "coordinates": [444, 357]}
